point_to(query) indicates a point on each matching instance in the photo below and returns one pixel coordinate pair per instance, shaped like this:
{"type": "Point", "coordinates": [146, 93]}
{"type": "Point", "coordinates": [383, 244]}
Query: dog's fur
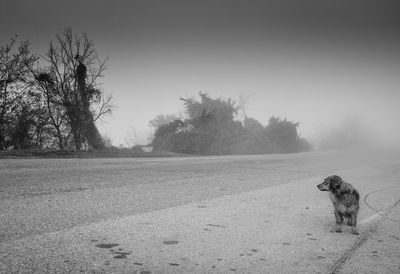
{"type": "Point", "coordinates": [345, 200]}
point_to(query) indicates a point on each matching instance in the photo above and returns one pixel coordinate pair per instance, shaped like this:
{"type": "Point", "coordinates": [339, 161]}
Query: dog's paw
{"type": "Point", "coordinates": [338, 230]}
{"type": "Point", "coordinates": [355, 232]}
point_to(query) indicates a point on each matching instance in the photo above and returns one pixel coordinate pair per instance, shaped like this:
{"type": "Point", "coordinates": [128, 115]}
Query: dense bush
{"type": "Point", "coordinates": [210, 128]}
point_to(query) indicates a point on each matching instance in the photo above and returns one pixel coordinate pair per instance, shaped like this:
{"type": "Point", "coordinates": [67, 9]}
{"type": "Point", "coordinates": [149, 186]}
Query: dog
{"type": "Point", "coordinates": [345, 201]}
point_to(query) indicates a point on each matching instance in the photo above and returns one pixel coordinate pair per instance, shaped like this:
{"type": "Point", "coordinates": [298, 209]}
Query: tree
{"type": "Point", "coordinates": [21, 138]}
{"type": "Point", "coordinates": [31, 126]}
{"type": "Point", "coordinates": [209, 128]}
{"type": "Point", "coordinates": [254, 141]}
{"type": "Point", "coordinates": [53, 106]}
{"type": "Point", "coordinates": [165, 136]}
{"type": "Point", "coordinates": [242, 112]}
{"type": "Point", "coordinates": [284, 137]}
{"type": "Point", "coordinates": [162, 119]}
{"type": "Point", "coordinates": [15, 69]}
{"type": "Point", "coordinates": [208, 118]}
{"type": "Point", "coordinates": [253, 126]}
{"type": "Point", "coordinates": [70, 84]}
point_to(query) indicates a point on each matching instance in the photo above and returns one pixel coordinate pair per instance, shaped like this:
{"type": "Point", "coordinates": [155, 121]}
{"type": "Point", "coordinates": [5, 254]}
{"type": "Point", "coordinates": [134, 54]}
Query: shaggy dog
{"type": "Point", "coordinates": [345, 201]}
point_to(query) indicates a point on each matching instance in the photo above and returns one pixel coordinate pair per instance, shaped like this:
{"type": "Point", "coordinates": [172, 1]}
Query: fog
{"type": "Point", "coordinates": [313, 62]}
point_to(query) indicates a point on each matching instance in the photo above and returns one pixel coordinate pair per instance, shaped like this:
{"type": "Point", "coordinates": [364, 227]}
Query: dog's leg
{"type": "Point", "coordinates": [353, 222]}
{"type": "Point", "coordinates": [339, 221]}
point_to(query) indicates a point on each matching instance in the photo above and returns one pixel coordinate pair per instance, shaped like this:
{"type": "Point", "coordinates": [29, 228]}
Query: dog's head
{"type": "Point", "coordinates": [330, 183]}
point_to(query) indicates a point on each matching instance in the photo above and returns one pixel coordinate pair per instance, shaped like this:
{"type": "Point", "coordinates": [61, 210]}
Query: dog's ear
{"type": "Point", "coordinates": [335, 182]}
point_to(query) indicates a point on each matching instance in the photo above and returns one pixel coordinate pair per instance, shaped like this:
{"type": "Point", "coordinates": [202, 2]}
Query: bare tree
{"type": "Point", "coordinates": [15, 69]}
{"type": "Point", "coordinates": [72, 81]}
{"type": "Point", "coordinates": [54, 107]}
{"type": "Point", "coordinates": [243, 98]}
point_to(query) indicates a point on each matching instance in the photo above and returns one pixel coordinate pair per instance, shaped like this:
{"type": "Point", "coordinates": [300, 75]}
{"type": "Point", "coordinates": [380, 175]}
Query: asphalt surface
{"type": "Point", "coordinates": [246, 214]}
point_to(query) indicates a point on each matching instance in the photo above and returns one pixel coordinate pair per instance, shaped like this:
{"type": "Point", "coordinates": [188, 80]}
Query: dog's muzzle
{"type": "Point", "coordinates": [323, 187]}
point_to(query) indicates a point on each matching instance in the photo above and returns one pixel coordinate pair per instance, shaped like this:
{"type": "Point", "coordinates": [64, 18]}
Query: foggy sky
{"type": "Point", "coordinates": [310, 61]}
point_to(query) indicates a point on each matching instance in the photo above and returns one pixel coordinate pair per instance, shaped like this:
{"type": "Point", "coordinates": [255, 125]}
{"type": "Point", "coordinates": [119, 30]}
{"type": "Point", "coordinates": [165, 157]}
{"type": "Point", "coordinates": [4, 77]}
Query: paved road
{"type": "Point", "coordinates": [53, 197]}
{"type": "Point", "coordinates": [44, 195]}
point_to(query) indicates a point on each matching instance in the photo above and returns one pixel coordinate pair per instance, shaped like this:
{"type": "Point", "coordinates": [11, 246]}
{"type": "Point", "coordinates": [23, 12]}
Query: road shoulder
{"type": "Point", "coordinates": [380, 252]}
{"type": "Point", "coordinates": [285, 229]}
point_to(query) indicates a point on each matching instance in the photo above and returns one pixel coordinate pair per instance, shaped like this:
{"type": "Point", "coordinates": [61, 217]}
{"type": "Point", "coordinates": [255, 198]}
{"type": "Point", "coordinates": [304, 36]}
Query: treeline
{"type": "Point", "coordinates": [210, 128]}
{"type": "Point", "coordinates": [52, 101]}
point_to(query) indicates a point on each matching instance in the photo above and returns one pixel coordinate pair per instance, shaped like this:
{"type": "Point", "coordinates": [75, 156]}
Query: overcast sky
{"type": "Point", "coordinates": [315, 62]}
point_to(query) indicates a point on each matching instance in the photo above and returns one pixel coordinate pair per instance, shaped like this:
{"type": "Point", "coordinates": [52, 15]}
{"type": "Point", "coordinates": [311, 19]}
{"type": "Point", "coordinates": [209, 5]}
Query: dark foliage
{"type": "Point", "coordinates": [15, 69]}
{"type": "Point", "coordinates": [55, 105]}
{"type": "Point", "coordinates": [211, 129]}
